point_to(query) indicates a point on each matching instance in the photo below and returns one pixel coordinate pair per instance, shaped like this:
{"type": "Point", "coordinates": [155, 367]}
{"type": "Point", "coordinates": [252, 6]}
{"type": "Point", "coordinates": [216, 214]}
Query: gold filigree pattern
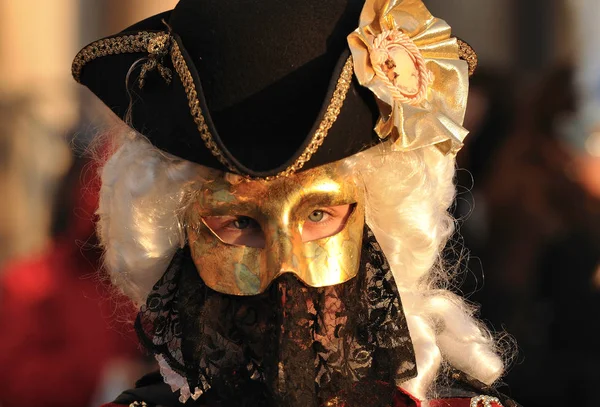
{"type": "Point", "coordinates": [141, 42]}
{"type": "Point", "coordinates": [467, 53]}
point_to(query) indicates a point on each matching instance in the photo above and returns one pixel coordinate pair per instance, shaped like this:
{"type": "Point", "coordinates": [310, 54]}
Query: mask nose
{"type": "Point", "coordinates": [283, 252]}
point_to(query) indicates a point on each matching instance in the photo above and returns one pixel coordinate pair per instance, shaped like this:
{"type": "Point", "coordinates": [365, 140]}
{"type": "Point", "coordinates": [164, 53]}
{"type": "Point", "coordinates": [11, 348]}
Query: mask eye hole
{"type": "Point", "coordinates": [243, 222]}
{"type": "Point", "coordinates": [325, 222]}
{"type": "Point", "coordinates": [236, 230]}
{"type": "Point", "coordinates": [316, 216]}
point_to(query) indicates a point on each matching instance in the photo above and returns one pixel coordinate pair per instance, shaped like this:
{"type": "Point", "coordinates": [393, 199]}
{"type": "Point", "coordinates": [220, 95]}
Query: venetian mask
{"type": "Point", "coordinates": [244, 233]}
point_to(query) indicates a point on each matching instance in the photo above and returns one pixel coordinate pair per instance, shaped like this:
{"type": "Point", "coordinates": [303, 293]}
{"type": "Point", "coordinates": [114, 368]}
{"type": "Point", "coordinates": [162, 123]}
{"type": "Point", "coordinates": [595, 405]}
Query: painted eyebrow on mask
{"type": "Point", "coordinates": [326, 199]}
{"type": "Point", "coordinates": [219, 207]}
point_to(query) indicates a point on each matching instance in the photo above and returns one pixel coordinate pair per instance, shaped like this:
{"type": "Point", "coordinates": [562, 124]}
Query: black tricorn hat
{"type": "Point", "coordinates": [261, 88]}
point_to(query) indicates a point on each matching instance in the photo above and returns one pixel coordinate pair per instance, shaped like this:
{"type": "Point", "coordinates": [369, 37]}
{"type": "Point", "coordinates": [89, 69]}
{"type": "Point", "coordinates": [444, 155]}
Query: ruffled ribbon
{"type": "Point", "coordinates": [409, 60]}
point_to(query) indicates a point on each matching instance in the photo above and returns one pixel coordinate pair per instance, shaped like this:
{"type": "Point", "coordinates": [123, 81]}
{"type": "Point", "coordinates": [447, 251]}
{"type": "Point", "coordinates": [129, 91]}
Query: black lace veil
{"type": "Point", "coordinates": [293, 345]}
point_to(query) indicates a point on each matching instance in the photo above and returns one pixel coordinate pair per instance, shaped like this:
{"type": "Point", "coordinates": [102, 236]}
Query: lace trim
{"type": "Point", "coordinates": [177, 382]}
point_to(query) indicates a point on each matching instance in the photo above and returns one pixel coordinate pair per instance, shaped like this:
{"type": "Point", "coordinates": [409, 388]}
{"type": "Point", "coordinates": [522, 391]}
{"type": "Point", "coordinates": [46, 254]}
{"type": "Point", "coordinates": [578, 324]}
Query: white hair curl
{"type": "Point", "coordinates": [408, 194]}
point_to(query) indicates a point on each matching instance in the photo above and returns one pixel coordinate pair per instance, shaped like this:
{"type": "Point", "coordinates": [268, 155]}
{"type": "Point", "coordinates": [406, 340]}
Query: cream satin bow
{"type": "Point", "coordinates": [409, 60]}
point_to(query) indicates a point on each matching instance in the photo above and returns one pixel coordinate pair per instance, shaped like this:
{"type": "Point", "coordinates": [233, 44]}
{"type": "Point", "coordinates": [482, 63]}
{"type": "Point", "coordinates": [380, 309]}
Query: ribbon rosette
{"type": "Point", "coordinates": [409, 60]}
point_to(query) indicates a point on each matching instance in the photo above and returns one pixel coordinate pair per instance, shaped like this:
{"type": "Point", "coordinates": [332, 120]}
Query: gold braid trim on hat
{"type": "Point", "coordinates": [467, 53]}
{"type": "Point", "coordinates": [141, 41]}
{"type": "Point", "coordinates": [331, 114]}
{"type": "Point", "coordinates": [192, 95]}
{"type": "Point", "coordinates": [125, 44]}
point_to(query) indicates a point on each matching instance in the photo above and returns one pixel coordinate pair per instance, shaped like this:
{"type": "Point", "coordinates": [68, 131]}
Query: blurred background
{"type": "Point", "coordinates": [528, 199]}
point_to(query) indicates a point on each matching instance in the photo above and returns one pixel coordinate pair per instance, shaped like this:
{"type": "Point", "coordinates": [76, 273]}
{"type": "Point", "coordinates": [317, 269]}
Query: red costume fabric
{"type": "Point", "coordinates": [56, 331]}
{"type": "Point", "coordinates": [59, 326]}
{"type": "Point", "coordinates": [458, 402]}
{"type": "Point", "coordinates": [402, 399]}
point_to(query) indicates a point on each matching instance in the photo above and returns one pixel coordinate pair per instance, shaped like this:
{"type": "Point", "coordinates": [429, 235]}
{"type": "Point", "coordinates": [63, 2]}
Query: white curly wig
{"type": "Point", "coordinates": [144, 196]}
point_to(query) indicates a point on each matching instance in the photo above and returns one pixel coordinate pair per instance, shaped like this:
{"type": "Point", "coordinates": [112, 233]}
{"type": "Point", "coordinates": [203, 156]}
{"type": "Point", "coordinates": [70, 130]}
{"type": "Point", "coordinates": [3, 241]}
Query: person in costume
{"type": "Point", "coordinates": [279, 209]}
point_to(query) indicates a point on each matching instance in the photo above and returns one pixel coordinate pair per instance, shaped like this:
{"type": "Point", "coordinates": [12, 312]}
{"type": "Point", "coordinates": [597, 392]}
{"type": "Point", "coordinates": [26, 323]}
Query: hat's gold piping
{"type": "Point", "coordinates": [111, 46]}
{"type": "Point", "coordinates": [467, 53]}
{"type": "Point", "coordinates": [190, 90]}
{"type": "Point", "coordinates": [139, 43]}
{"type": "Point", "coordinates": [331, 114]}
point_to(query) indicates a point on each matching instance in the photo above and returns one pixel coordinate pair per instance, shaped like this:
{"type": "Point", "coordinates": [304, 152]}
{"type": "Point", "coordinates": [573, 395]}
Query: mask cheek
{"type": "Point", "coordinates": [225, 268]}
{"type": "Point", "coordinates": [334, 259]}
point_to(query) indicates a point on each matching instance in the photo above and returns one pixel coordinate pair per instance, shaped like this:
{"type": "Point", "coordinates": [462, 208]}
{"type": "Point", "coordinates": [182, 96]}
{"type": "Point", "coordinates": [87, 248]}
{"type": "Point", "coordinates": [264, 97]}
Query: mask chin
{"type": "Point", "coordinates": [292, 345]}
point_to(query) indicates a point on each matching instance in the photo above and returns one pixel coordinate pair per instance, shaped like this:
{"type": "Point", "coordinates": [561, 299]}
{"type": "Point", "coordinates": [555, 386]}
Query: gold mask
{"type": "Point", "coordinates": [243, 233]}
